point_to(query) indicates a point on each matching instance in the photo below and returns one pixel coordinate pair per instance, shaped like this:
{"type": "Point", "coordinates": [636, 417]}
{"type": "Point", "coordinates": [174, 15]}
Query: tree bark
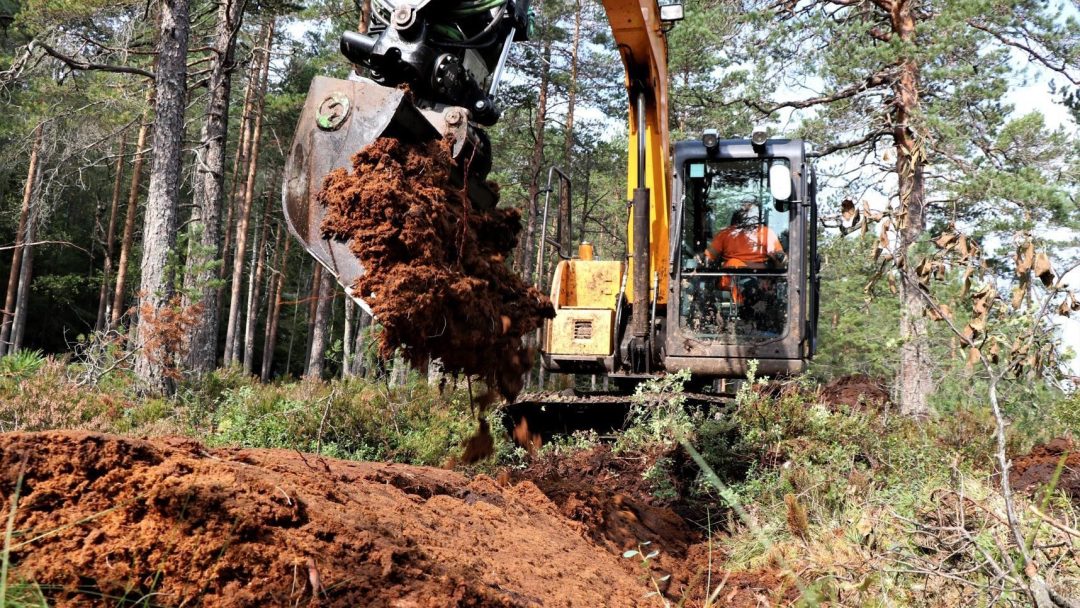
{"type": "Point", "coordinates": [110, 238]}
{"type": "Point", "coordinates": [162, 202]}
{"type": "Point", "coordinates": [346, 342]}
{"type": "Point", "coordinates": [313, 303]}
{"type": "Point", "coordinates": [254, 290]}
{"type": "Point", "coordinates": [239, 168]}
{"type": "Point", "coordinates": [20, 239]}
{"type": "Point", "coordinates": [274, 314]}
{"type": "Point", "coordinates": [915, 383]}
{"type": "Point", "coordinates": [566, 240]}
{"type": "Point", "coordinates": [129, 219]}
{"type": "Point", "coordinates": [26, 273]}
{"type": "Point", "coordinates": [232, 332]}
{"type": "Point", "coordinates": [204, 229]}
{"type": "Point", "coordinates": [529, 247]}
{"type": "Point", "coordinates": [320, 335]}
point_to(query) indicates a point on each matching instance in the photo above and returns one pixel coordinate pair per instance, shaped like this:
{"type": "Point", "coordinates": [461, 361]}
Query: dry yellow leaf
{"type": "Point", "coordinates": [973, 358]}
{"type": "Point", "coordinates": [947, 240]}
{"type": "Point", "coordinates": [1043, 270]}
{"type": "Point", "coordinates": [1025, 258]}
{"type": "Point", "coordinates": [1018, 294]}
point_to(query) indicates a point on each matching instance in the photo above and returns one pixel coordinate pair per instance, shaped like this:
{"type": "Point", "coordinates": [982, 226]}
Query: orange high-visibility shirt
{"type": "Point", "coordinates": [751, 246]}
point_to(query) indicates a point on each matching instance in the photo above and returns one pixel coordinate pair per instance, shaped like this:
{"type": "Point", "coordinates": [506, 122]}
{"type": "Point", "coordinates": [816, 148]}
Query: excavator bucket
{"type": "Point", "coordinates": [339, 118]}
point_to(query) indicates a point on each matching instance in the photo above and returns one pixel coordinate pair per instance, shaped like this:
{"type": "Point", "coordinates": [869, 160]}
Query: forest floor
{"type": "Point", "coordinates": [112, 520]}
{"type": "Point", "coordinates": [804, 495]}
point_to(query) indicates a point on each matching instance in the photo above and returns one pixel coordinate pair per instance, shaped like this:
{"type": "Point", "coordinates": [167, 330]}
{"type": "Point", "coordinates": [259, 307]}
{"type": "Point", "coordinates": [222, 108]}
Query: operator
{"type": "Point", "coordinates": [744, 244]}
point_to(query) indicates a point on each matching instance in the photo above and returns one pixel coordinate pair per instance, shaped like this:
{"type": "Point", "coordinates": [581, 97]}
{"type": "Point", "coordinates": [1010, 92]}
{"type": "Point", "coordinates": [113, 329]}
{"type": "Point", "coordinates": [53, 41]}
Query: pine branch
{"type": "Point", "coordinates": [80, 64]}
{"type": "Point", "coordinates": [877, 79]}
{"type": "Point", "coordinates": [872, 136]}
{"type": "Point", "coordinates": [1024, 45]}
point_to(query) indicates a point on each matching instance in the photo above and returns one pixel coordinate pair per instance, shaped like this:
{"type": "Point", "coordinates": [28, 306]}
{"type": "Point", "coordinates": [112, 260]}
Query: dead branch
{"type": "Point", "coordinates": [82, 64]}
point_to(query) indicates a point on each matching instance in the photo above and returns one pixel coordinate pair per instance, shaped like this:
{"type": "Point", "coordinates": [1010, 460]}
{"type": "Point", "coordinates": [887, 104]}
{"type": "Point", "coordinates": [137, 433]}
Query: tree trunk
{"type": "Point", "coordinates": [270, 340]}
{"type": "Point", "coordinates": [254, 290]}
{"type": "Point", "coordinates": [204, 229]}
{"type": "Point", "coordinates": [915, 382]}
{"type": "Point", "coordinates": [239, 168]}
{"type": "Point", "coordinates": [346, 342]}
{"type": "Point", "coordinates": [571, 91]}
{"type": "Point", "coordinates": [26, 273]}
{"type": "Point", "coordinates": [110, 238]}
{"type": "Point", "coordinates": [129, 219]}
{"type": "Point", "coordinates": [162, 202]}
{"type": "Point", "coordinates": [20, 239]}
{"type": "Point", "coordinates": [320, 335]}
{"type": "Point", "coordinates": [313, 304]}
{"type": "Point", "coordinates": [232, 332]}
{"type": "Point", "coordinates": [529, 247]}
{"type": "Point", "coordinates": [566, 240]}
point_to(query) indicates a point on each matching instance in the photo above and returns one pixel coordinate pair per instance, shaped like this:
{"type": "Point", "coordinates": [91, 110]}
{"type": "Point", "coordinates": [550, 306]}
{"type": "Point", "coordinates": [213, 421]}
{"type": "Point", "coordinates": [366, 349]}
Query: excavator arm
{"type": "Point", "coordinates": [639, 35]}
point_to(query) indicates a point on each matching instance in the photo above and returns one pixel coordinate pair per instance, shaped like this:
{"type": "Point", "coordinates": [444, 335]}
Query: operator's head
{"type": "Point", "coordinates": [742, 215]}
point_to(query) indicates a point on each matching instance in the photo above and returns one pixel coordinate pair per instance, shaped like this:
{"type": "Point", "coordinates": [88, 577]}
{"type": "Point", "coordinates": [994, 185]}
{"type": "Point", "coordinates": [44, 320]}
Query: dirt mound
{"type": "Point", "coordinates": [436, 276]}
{"type": "Point", "coordinates": [1035, 470]}
{"type": "Point", "coordinates": [103, 520]}
{"type": "Point", "coordinates": [856, 391]}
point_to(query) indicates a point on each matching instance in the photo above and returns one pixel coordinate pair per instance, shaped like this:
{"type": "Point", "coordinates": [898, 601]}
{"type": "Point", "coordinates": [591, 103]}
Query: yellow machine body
{"type": "Point", "coordinates": [585, 295]}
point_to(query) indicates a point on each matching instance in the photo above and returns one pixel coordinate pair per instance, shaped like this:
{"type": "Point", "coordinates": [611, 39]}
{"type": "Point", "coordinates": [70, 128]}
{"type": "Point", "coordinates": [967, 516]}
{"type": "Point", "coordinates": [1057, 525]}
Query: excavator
{"type": "Point", "coordinates": [681, 298]}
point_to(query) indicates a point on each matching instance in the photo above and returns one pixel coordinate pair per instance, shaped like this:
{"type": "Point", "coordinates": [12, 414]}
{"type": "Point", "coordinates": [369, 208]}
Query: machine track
{"type": "Point", "coordinates": [537, 417]}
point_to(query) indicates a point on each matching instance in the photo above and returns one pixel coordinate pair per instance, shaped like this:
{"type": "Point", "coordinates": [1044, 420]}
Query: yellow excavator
{"type": "Point", "coordinates": [722, 265]}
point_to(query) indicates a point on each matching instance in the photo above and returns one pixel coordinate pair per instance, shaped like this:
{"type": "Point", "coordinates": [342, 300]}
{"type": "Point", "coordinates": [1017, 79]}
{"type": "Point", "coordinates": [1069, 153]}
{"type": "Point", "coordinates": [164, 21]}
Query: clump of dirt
{"type": "Point", "coordinates": [1035, 471]}
{"type": "Point", "coordinates": [856, 391]}
{"type": "Point", "coordinates": [105, 521]}
{"type": "Point", "coordinates": [435, 271]}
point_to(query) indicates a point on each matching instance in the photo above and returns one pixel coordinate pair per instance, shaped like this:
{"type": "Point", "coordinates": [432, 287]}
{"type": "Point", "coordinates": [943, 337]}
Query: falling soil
{"type": "Point", "coordinates": [1035, 471]}
{"type": "Point", "coordinates": [104, 520]}
{"type": "Point", "coordinates": [435, 270]}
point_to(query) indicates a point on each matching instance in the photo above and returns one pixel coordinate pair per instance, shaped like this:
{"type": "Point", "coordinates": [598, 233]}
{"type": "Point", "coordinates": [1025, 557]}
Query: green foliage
{"type": "Point", "coordinates": [353, 419]}
{"type": "Point", "coordinates": [658, 417]}
{"type": "Point", "coordinates": [852, 320]}
{"type": "Point", "coordinates": [1066, 411]}
{"type": "Point", "coordinates": [20, 365]}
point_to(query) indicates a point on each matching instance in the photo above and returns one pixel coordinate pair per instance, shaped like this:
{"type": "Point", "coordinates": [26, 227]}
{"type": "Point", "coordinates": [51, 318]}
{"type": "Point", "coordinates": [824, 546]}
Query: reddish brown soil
{"type": "Point", "coordinates": [436, 276]}
{"type": "Point", "coordinates": [1034, 471]}
{"type": "Point", "coordinates": [104, 518]}
{"type": "Point", "coordinates": [856, 391]}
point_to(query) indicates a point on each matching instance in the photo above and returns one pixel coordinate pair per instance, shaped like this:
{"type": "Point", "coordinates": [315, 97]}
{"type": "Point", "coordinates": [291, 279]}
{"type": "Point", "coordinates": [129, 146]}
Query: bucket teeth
{"type": "Point", "coordinates": [339, 118]}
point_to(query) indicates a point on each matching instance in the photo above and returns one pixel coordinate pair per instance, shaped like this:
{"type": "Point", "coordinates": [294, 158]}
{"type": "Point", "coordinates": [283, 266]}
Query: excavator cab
{"type": "Point", "coordinates": [753, 296]}
{"type": "Point", "coordinates": [742, 280]}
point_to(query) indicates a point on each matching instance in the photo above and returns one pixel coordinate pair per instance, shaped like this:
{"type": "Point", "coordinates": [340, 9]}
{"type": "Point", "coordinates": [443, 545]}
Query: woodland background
{"type": "Point", "coordinates": [125, 195]}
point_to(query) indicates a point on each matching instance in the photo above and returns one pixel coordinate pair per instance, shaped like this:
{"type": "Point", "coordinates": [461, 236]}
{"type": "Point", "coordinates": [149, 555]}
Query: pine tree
{"type": "Point", "coordinates": [910, 76]}
{"type": "Point", "coordinates": [162, 202]}
{"type": "Point", "coordinates": [204, 229]}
